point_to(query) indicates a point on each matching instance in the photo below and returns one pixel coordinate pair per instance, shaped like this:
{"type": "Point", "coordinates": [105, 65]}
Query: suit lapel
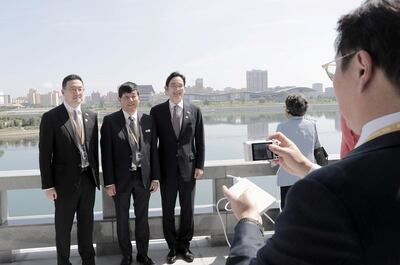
{"type": "Point", "coordinates": [122, 124]}
{"type": "Point", "coordinates": [88, 124]}
{"type": "Point", "coordinates": [140, 115]}
{"type": "Point", "coordinates": [169, 118]}
{"type": "Point", "coordinates": [68, 124]}
{"type": "Point", "coordinates": [186, 114]}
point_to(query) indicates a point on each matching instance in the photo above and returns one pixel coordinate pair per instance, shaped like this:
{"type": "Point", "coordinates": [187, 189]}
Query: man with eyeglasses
{"type": "Point", "coordinates": [130, 169]}
{"type": "Point", "coordinates": [347, 212]}
{"type": "Point", "coordinates": [69, 167]}
{"type": "Point", "coordinates": [180, 133]}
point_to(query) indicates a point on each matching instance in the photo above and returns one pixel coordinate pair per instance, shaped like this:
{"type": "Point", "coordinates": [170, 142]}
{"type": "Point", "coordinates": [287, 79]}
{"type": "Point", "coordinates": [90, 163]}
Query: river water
{"type": "Point", "coordinates": [224, 135]}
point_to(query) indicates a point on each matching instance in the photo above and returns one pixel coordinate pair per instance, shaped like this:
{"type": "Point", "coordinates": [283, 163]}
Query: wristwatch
{"type": "Point", "coordinates": [251, 220]}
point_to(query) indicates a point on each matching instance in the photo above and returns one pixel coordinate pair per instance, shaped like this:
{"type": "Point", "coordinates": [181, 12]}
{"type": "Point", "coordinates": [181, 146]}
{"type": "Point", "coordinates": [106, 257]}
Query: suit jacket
{"type": "Point", "coordinates": [116, 153]}
{"type": "Point", "coordinates": [344, 213]}
{"type": "Point", "coordinates": [59, 156]}
{"type": "Point", "coordinates": [303, 133]}
{"type": "Point", "coordinates": [186, 152]}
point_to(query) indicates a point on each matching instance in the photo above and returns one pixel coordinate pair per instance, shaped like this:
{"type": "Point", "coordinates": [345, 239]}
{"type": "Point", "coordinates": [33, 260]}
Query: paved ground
{"type": "Point", "coordinates": [204, 255]}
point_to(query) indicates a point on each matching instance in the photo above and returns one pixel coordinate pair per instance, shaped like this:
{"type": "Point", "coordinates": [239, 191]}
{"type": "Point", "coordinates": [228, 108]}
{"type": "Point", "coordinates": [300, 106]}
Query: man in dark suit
{"type": "Point", "coordinates": [180, 134]}
{"type": "Point", "coordinates": [130, 168]}
{"type": "Point", "coordinates": [347, 212]}
{"type": "Point", "coordinates": [69, 167]}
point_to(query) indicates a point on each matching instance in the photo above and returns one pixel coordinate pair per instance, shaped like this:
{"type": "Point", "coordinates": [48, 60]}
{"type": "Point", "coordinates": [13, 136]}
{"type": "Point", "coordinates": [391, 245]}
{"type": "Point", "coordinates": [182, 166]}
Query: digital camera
{"type": "Point", "coordinates": [259, 150]}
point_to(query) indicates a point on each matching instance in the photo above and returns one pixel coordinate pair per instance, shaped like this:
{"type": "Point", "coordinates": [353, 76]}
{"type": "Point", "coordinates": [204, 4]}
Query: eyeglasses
{"type": "Point", "coordinates": [330, 67]}
{"type": "Point", "coordinates": [75, 89]}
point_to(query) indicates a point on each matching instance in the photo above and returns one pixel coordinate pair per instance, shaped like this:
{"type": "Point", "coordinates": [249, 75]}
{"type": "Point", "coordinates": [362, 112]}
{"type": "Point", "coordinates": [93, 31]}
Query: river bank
{"type": "Point", "coordinates": [18, 133]}
{"type": "Point", "coordinates": [210, 110]}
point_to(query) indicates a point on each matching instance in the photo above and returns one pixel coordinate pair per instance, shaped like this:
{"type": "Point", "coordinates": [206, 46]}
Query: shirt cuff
{"type": "Point", "coordinates": [52, 188]}
{"type": "Point", "coordinates": [314, 167]}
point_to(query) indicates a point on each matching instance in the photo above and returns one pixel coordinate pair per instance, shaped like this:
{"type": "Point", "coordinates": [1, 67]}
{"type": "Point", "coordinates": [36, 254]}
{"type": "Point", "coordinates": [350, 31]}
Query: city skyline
{"type": "Point", "coordinates": [109, 43]}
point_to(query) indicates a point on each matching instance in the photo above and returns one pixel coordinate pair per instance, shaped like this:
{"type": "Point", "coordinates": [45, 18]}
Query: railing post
{"type": "Point", "coordinates": [218, 194]}
{"type": "Point", "coordinates": [108, 248]}
{"type": "Point", "coordinates": [3, 207]}
{"type": "Point", "coordinates": [5, 254]}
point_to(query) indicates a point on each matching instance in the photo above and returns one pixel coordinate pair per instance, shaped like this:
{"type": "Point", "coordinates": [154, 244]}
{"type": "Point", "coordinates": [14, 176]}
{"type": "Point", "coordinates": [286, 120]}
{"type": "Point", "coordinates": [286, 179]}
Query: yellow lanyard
{"type": "Point", "coordinates": [385, 130]}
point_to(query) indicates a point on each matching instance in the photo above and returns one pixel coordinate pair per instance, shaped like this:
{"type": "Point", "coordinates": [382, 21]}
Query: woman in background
{"type": "Point", "coordinates": [302, 132]}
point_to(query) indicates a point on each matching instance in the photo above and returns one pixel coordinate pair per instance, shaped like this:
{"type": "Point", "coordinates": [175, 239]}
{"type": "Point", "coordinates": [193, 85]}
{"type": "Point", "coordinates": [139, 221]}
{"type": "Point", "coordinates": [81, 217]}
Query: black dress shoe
{"type": "Point", "coordinates": [187, 254]}
{"type": "Point", "coordinates": [126, 260]}
{"type": "Point", "coordinates": [171, 257]}
{"type": "Point", "coordinates": [145, 260]}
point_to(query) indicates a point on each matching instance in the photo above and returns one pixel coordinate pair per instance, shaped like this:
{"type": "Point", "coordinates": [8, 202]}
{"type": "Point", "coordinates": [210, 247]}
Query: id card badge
{"type": "Point", "coordinates": [139, 156]}
{"type": "Point", "coordinates": [133, 167]}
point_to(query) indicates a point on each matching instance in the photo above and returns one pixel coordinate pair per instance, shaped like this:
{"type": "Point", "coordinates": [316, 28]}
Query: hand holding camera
{"type": "Point", "coordinates": [290, 157]}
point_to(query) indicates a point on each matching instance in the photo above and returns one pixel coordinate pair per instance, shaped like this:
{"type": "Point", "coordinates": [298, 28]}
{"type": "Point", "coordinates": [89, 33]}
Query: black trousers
{"type": "Point", "coordinates": [284, 191]}
{"type": "Point", "coordinates": [80, 202]}
{"type": "Point", "coordinates": [169, 189]}
{"type": "Point", "coordinates": [122, 200]}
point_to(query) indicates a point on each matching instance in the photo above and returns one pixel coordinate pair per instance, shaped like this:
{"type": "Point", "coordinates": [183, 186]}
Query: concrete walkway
{"type": "Point", "coordinates": [158, 250]}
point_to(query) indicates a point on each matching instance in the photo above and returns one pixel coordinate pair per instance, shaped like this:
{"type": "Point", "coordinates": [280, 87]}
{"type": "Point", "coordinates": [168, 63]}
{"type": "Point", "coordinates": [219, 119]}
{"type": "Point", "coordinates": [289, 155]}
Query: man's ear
{"type": "Point", "coordinates": [364, 68]}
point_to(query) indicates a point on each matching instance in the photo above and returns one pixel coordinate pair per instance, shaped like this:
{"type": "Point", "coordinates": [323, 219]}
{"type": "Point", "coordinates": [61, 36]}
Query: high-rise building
{"type": "Point", "coordinates": [199, 84]}
{"type": "Point", "coordinates": [50, 99]}
{"type": "Point", "coordinates": [257, 80]}
{"type": "Point", "coordinates": [54, 98]}
{"type": "Point", "coordinates": [5, 99]}
{"type": "Point", "coordinates": [33, 96]}
{"type": "Point", "coordinates": [329, 92]}
{"type": "Point", "coordinates": [318, 87]}
{"type": "Point", "coordinates": [95, 97]}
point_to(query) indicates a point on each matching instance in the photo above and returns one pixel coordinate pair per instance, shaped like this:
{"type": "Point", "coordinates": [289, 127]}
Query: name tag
{"type": "Point", "coordinates": [139, 156]}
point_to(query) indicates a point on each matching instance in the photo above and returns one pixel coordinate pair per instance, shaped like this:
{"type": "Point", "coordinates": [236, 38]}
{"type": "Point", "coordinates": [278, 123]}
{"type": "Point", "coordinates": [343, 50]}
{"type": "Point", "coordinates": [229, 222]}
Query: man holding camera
{"type": "Point", "coordinates": [347, 212]}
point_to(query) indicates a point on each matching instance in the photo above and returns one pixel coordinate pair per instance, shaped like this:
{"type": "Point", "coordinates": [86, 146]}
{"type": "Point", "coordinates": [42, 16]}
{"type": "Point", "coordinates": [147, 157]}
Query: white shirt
{"type": "Point", "coordinates": [127, 116]}
{"type": "Point", "coordinates": [78, 111]}
{"type": "Point", "coordinates": [178, 110]}
{"type": "Point", "coordinates": [375, 125]}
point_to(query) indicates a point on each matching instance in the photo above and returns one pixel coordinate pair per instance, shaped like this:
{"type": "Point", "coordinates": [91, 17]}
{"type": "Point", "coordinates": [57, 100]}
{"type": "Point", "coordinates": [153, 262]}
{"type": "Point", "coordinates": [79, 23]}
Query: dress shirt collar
{"type": "Point", "coordinates": [127, 115]}
{"type": "Point", "coordinates": [296, 117]}
{"type": "Point", "coordinates": [377, 124]}
{"type": "Point", "coordinates": [71, 109]}
{"type": "Point", "coordinates": [172, 105]}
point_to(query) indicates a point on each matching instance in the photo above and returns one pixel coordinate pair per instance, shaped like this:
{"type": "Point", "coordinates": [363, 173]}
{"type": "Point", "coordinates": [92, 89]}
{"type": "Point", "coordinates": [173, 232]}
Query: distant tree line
{"type": "Point", "coordinates": [9, 122]}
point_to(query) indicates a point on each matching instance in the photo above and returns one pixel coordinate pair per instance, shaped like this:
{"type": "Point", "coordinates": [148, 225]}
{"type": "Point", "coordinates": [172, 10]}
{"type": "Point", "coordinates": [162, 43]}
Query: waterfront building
{"type": "Point", "coordinates": [257, 80]}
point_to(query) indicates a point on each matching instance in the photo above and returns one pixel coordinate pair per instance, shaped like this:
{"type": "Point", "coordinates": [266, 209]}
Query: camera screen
{"type": "Point", "coordinates": [262, 152]}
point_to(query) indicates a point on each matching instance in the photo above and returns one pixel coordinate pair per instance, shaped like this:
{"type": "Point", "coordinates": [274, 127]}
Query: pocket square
{"type": "Point", "coordinates": [148, 130]}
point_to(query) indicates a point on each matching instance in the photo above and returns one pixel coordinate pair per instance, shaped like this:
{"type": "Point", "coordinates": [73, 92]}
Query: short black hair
{"type": "Point", "coordinates": [69, 78]}
{"type": "Point", "coordinates": [375, 28]}
{"type": "Point", "coordinates": [127, 87]}
{"type": "Point", "coordinates": [175, 74]}
{"type": "Point", "coordinates": [296, 104]}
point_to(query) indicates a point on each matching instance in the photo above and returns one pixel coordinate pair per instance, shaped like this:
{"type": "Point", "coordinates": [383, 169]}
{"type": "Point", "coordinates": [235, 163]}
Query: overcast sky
{"type": "Point", "coordinates": [110, 42]}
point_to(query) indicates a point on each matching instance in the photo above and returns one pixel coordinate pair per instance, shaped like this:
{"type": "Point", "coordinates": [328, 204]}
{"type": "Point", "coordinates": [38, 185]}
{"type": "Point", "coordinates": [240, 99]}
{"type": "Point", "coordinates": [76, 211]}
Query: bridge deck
{"type": "Point", "coordinates": [204, 255]}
